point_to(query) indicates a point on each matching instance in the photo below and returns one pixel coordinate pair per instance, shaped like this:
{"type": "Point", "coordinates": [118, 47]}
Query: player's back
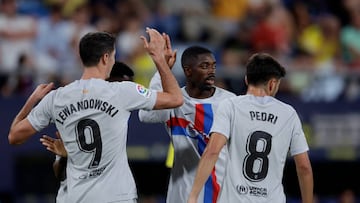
{"type": "Point", "coordinates": [92, 118]}
{"type": "Point", "coordinates": [261, 133]}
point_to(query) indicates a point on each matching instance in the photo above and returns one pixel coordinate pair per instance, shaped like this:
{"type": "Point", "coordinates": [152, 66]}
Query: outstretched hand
{"type": "Point", "coordinates": [54, 145]}
{"type": "Point", "coordinates": [156, 44]}
{"type": "Point", "coordinates": [170, 55]}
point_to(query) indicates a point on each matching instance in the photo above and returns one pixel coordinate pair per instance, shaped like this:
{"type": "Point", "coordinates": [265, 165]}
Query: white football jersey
{"type": "Point", "coordinates": [92, 118]}
{"type": "Point", "coordinates": [189, 126]}
{"type": "Point", "coordinates": [261, 131]}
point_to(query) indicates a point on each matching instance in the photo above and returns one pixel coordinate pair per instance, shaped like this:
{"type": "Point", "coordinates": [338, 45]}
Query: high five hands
{"type": "Point", "coordinates": [159, 45]}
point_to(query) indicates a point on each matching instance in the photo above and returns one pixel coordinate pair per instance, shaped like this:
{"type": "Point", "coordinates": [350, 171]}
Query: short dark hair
{"type": "Point", "coordinates": [121, 72]}
{"type": "Point", "coordinates": [261, 67]}
{"type": "Point", "coordinates": [94, 45]}
{"type": "Point", "coordinates": [189, 56]}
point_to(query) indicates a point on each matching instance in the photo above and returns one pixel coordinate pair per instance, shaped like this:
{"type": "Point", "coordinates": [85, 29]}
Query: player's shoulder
{"type": "Point", "coordinates": [224, 92]}
{"type": "Point", "coordinates": [282, 103]}
{"type": "Point", "coordinates": [123, 84]}
{"type": "Point", "coordinates": [284, 106]}
{"type": "Point", "coordinates": [100, 83]}
{"type": "Point", "coordinates": [67, 87]}
{"type": "Point", "coordinates": [241, 100]}
{"type": "Point", "coordinates": [131, 88]}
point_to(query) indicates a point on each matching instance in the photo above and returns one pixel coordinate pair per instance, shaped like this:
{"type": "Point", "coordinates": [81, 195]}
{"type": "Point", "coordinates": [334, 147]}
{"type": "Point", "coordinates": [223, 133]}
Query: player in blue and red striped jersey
{"type": "Point", "coordinates": [189, 124]}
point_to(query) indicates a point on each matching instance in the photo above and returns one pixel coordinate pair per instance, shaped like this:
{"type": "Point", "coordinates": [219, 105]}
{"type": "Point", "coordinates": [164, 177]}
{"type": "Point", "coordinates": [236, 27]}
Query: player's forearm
{"type": "Point", "coordinates": [25, 110]}
{"type": "Point", "coordinates": [168, 80]}
{"type": "Point", "coordinates": [17, 134]}
{"type": "Point", "coordinates": [59, 167]}
{"type": "Point", "coordinates": [305, 177]}
{"type": "Point", "coordinates": [21, 129]}
{"type": "Point", "coordinates": [306, 186]}
{"type": "Point", "coordinates": [206, 165]}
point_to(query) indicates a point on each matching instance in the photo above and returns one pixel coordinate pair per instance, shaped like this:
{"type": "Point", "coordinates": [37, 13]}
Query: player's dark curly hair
{"type": "Point", "coordinates": [261, 67]}
{"type": "Point", "coordinates": [94, 45]}
{"type": "Point", "coordinates": [189, 56]}
{"type": "Point", "coordinates": [121, 72]}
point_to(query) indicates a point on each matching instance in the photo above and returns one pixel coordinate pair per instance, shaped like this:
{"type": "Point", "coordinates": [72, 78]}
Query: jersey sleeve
{"type": "Point", "coordinates": [155, 82]}
{"type": "Point", "coordinates": [222, 118]}
{"type": "Point", "coordinates": [154, 116]}
{"type": "Point", "coordinates": [41, 115]}
{"type": "Point", "coordinates": [298, 143]}
{"type": "Point", "coordinates": [136, 96]}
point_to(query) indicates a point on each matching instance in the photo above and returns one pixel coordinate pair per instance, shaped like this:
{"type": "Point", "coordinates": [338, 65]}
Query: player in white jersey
{"type": "Point", "coordinates": [92, 114]}
{"type": "Point", "coordinates": [189, 125]}
{"type": "Point", "coordinates": [260, 132]}
{"type": "Point", "coordinates": [120, 72]}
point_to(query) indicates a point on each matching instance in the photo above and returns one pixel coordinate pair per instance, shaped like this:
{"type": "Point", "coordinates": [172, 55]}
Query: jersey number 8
{"type": "Point", "coordinates": [256, 163]}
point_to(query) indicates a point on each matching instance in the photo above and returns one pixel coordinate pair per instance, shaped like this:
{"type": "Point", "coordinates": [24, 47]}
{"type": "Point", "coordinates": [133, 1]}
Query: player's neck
{"type": "Point", "coordinates": [257, 91]}
{"type": "Point", "coordinates": [93, 72]}
{"type": "Point", "coordinates": [200, 94]}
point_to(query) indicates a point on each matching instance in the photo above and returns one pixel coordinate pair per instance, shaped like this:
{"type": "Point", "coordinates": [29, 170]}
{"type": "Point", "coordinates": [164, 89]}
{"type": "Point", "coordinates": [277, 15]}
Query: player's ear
{"type": "Point", "coordinates": [187, 71]}
{"type": "Point", "coordinates": [273, 85]}
{"type": "Point", "coordinates": [105, 58]}
{"type": "Point", "coordinates": [102, 59]}
{"type": "Point", "coordinates": [246, 81]}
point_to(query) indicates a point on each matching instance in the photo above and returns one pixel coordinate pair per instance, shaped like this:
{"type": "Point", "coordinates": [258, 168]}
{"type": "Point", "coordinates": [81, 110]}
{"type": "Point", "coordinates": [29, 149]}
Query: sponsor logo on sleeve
{"type": "Point", "coordinates": [145, 92]}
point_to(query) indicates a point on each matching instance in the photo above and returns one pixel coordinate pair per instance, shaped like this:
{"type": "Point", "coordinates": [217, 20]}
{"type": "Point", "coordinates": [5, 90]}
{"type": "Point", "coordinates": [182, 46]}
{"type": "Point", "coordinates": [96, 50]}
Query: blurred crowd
{"type": "Point", "coordinates": [317, 40]}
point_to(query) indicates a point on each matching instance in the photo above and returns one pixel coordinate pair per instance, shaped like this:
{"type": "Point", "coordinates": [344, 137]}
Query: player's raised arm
{"type": "Point", "coordinates": [21, 129]}
{"type": "Point", "coordinates": [171, 96]}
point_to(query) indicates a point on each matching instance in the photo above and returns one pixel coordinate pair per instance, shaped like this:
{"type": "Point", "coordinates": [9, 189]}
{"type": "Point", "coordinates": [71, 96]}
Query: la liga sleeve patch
{"type": "Point", "coordinates": [145, 92]}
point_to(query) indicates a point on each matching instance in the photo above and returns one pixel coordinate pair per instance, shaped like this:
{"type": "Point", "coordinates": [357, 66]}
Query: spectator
{"type": "Point", "coordinates": [17, 34]}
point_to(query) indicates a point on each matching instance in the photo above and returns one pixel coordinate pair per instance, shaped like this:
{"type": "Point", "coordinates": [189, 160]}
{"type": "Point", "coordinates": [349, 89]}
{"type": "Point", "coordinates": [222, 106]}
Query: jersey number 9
{"type": "Point", "coordinates": [88, 128]}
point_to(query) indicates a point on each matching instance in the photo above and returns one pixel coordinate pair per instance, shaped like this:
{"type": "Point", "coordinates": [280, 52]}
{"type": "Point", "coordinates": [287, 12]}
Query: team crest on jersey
{"type": "Point", "coordinates": [143, 91]}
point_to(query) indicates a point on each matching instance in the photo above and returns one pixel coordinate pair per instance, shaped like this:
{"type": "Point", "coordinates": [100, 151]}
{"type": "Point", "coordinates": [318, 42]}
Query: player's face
{"type": "Point", "coordinates": [203, 71]}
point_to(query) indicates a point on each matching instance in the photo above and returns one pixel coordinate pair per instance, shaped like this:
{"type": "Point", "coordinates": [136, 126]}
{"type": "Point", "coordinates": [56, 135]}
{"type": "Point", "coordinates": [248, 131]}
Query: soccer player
{"type": "Point", "coordinates": [120, 72]}
{"type": "Point", "coordinates": [59, 165]}
{"type": "Point", "coordinates": [189, 125]}
{"type": "Point", "coordinates": [259, 131]}
{"type": "Point", "coordinates": [92, 115]}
